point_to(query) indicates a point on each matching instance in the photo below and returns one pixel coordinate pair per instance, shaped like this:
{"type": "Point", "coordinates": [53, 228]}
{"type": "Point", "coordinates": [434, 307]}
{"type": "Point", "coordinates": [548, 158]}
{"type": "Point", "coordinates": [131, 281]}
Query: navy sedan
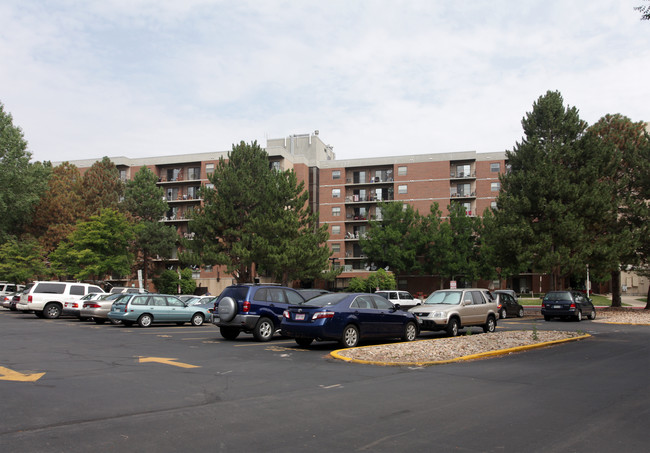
{"type": "Point", "coordinates": [347, 318]}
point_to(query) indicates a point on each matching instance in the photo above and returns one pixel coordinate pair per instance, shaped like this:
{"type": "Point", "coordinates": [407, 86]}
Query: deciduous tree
{"type": "Point", "coordinates": [23, 183]}
{"type": "Point", "coordinates": [102, 187]}
{"type": "Point", "coordinates": [22, 260]}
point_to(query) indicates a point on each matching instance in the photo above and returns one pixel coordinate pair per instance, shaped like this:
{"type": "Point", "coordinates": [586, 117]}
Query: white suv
{"type": "Point", "coordinates": [9, 288]}
{"type": "Point", "coordinates": [46, 299]}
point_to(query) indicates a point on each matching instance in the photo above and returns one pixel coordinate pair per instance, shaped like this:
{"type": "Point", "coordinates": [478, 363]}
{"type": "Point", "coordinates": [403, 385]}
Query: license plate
{"type": "Point", "coordinates": [300, 316]}
{"type": "Point", "coordinates": [557, 306]}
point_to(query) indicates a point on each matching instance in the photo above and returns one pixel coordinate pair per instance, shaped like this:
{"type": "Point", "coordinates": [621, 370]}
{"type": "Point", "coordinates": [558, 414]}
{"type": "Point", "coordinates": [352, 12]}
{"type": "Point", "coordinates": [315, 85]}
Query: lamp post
{"type": "Point", "coordinates": [588, 282]}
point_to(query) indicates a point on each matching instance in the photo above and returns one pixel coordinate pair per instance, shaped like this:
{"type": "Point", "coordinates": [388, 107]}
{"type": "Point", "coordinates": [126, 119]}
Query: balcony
{"type": "Point", "coordinates": [461, 195]}
{"type": "Point", "coordinates": [462, 175]}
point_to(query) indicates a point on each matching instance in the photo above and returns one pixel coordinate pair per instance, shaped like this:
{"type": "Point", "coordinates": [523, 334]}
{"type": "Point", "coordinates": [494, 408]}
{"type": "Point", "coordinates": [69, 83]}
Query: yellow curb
{"type": "Point", "coordinates": [481, 355]}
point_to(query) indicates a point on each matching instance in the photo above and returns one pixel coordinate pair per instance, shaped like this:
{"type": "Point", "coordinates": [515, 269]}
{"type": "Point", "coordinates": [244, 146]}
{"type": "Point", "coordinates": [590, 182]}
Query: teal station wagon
{"type": "Point", "coordinates": [146, 309]}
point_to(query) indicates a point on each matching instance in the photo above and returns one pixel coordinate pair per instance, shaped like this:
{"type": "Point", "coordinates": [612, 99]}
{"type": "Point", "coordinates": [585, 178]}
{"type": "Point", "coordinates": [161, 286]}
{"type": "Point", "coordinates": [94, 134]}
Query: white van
{"type": "Point", "coordinates": [46, 299]}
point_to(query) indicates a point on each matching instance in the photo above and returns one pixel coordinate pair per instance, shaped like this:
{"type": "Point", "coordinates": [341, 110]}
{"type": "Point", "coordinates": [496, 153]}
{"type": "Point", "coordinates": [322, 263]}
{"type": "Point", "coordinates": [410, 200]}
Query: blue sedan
{"type": "Point", "coordinates": [347, 318]}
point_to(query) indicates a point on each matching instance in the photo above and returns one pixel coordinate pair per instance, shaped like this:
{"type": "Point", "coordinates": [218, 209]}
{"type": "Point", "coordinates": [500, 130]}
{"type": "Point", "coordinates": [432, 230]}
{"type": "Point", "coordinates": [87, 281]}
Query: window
{"type": "Point", "coordinates": [493, 204]}
{"type": "Point", "coordinates": [401, 171]}
{"type": "Point", "coordinates": [336, 211]}
{"type": "Point", "coordinates": [463, 171]}
{"type": "Point", "coordinates": [336, 193]}
{"type": "Point", "coordinates": [494, 168]}
{"type": "Point", "coordinates": [402, 189]}
{"type": "Point", "coordinates": [194, 173]}
{"type": "Point", "coordinates": [275, 166]}
{"type": "Point", "coordinates": [123, 175]}
{"type": "Point", "coordinates": [336, 248]}
{"type": "Point", "coordinates": [50, 288]}
{"type": "Point", "coordinates": [495, 186]}
{"type": "Point", "coordinates": [77, 290]}
{"type": "Point", "coordinates": [209, 168]}
{"type": "Point", "coordinates": [139, 300]}
{"type": "Point", "coordinates": [336, 229]}
{"type": "Point", "coordinates": [336, 174]}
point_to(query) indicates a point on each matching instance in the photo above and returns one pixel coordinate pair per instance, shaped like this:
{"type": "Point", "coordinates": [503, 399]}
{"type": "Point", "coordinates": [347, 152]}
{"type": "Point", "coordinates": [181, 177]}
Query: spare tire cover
{"type": "Point", "coordinates": [227, 309]}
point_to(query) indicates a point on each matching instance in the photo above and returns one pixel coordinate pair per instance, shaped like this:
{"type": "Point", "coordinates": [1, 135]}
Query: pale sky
{"type": "Point", "coordinates": [140, 78]}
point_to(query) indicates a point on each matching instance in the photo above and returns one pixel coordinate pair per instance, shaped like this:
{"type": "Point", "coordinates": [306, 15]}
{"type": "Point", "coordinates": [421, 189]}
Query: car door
{"type": "Point", "coordinates": [391, 321]}
{"type": "Point", "coordinates": [158, 307]}
{"type": "Point", "coordinates": [368, 317]}
{"type": "Point", "coordinates": [177, 310]}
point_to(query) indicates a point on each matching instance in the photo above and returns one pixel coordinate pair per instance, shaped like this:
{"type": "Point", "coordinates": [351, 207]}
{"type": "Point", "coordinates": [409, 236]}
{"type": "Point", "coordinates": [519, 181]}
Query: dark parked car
{"type": "Point", "coordinates": [255, 309]}
{"type": "Point", "coordinates": [567, 304]}
{"type": "Point", "coordinates": [310, 293]}
{"type": "Point", "coordinates": [348, 318]}
{"type": "Point", "coordinates": [507, 304]}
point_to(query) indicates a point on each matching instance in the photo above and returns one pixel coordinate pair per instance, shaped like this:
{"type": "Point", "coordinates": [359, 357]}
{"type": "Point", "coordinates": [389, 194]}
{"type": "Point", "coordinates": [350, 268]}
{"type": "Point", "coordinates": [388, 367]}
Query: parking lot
{"type": "Point", "coordinates": [168, 388]}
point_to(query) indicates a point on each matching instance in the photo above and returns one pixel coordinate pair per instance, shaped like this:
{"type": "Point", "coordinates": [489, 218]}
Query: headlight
{"type": "Point", "coordinates": [439, 314]}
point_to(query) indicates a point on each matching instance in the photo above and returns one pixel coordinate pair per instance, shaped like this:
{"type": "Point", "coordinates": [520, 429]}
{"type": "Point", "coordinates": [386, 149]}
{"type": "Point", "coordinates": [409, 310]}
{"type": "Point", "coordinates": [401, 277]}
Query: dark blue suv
{"type": "Point", "coordinates": [255, 309]}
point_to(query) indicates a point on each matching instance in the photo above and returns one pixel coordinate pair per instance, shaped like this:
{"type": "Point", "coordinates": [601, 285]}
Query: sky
{"type": "Point", "coordinates": [141, 78]}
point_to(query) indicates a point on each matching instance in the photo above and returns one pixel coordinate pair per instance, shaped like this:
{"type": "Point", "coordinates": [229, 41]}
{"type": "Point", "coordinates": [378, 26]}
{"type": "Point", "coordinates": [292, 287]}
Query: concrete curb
{"type": "Point", "coordinates": [483, 355]}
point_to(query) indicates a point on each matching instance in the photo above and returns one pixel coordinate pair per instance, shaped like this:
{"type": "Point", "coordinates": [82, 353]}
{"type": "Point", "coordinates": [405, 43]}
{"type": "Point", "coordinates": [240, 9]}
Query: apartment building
{"type": "Point", "coordinates": [345, 193]}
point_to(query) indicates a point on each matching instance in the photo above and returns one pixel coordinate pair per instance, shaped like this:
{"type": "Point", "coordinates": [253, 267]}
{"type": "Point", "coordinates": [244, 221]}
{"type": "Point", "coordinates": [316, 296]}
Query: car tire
{"type": "Point", "coordinates": [197, 320]}
{"type": "Point", "coordinates": [592, 315]}
{"type": "Point", "coordinates": [100, 320]}
{"type": "Point", "coordinates": [491, 325]}
{"type": "Point", "coordinates": [227, 309]}
{"type": "Point", "coordinates": [83, 318]}
{"type": "Point", "coordinates": [503, 313]}
{"type": "Point", "coordinates": [520, 313]}
{"type": "Point", "coordinates": [410, 332]}
{"type": "Point", "coordinates": [350, 337]}
{"type": "Point", "coordinates": [452, 327]}
{"type": "Point", "coordinates": [52, 311]}
{"type": "Point", "coordinates": [145, 320]}
{"type": "Point", "coordinates": [304, 342]}
{"type": "Point", "coordinates": [264, 329]}
{"type": "Point", "coordinates": [229, 333]}
{"type": "Point", "coordinates": [115, 322]}
{"type": "Point", "coordinates": [578, 316]}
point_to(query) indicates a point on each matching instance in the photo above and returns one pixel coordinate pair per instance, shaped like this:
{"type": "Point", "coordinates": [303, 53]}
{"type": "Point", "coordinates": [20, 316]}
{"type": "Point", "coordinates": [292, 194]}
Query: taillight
{"type": "Point", "coordinates": [247, 306]}
{"type": "Point", "coordinates": [322, 315]}
{"type": "Point", "coordinates": [499, 306]}
{"type": "Point", "coordinates": [29, 298]}
{"type": "Point", "coordinates": [572, 305]}
{"type": "Point", "coordinates": [286, 314]}
{"type": "Point", "coordinates": [91, 305]}
{"type": "Point", "coordinates": [543, 305]}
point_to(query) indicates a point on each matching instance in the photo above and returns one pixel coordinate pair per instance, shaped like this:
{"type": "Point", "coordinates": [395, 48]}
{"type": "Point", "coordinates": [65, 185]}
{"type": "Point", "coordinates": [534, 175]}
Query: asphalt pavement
{"type": "Point", "coordinates": [168, 389]}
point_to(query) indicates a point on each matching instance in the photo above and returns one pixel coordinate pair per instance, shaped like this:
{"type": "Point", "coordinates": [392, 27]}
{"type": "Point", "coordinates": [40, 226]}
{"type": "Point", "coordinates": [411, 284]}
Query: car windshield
{"type": "Point", "coordinates": [326, 299]}
{"type": "Point", "coordinates": [559, 295]}
{"type": "Point", "coordinates": [444, 297]}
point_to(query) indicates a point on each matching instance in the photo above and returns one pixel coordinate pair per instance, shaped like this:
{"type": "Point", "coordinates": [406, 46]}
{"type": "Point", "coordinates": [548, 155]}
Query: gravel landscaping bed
{"type": "Point", "coordinates": [623, 315]}
{"type": "Point", "coordinates": [445, 349]}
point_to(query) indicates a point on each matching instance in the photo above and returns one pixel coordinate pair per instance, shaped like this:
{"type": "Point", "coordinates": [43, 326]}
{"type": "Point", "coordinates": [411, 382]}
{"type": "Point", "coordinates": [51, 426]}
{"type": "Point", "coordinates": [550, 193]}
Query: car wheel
{"type": "Point", "coordinates": [52, 311]}
{"type": "Point", "coordinates": [410, 332]}
{"type": "Point", "coordinates": [592, 315]}
{"type": "Point", "coordinates": [263, 330]}
{"type": "Point", "coordinates": [197, 319]}
{"type": "Point", "coordinates": [452, 327]}
{"type": "Point", "coordinates": [350, 337]}
{"type": "Point", "coordinates": [100, 320]}
{"type": "Point", "coordinates": [229, 333]}
{"type": "Point", "coordinates": [115, 322]}
{"type": "Point", "coordinates": [578, 317]}
{"type": "Point", "coordinates": [520, 313]}
{"type": "Point", "coordinates": [227, 309]}
{"type": "Point", "coordinates": [503, 314]}
{"type": "Point", "coordinates": [304, 342]}
{"type": "Point", "coordinates": [145, 320]}
{"type": "Point", "coordinates": [491, 325]}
